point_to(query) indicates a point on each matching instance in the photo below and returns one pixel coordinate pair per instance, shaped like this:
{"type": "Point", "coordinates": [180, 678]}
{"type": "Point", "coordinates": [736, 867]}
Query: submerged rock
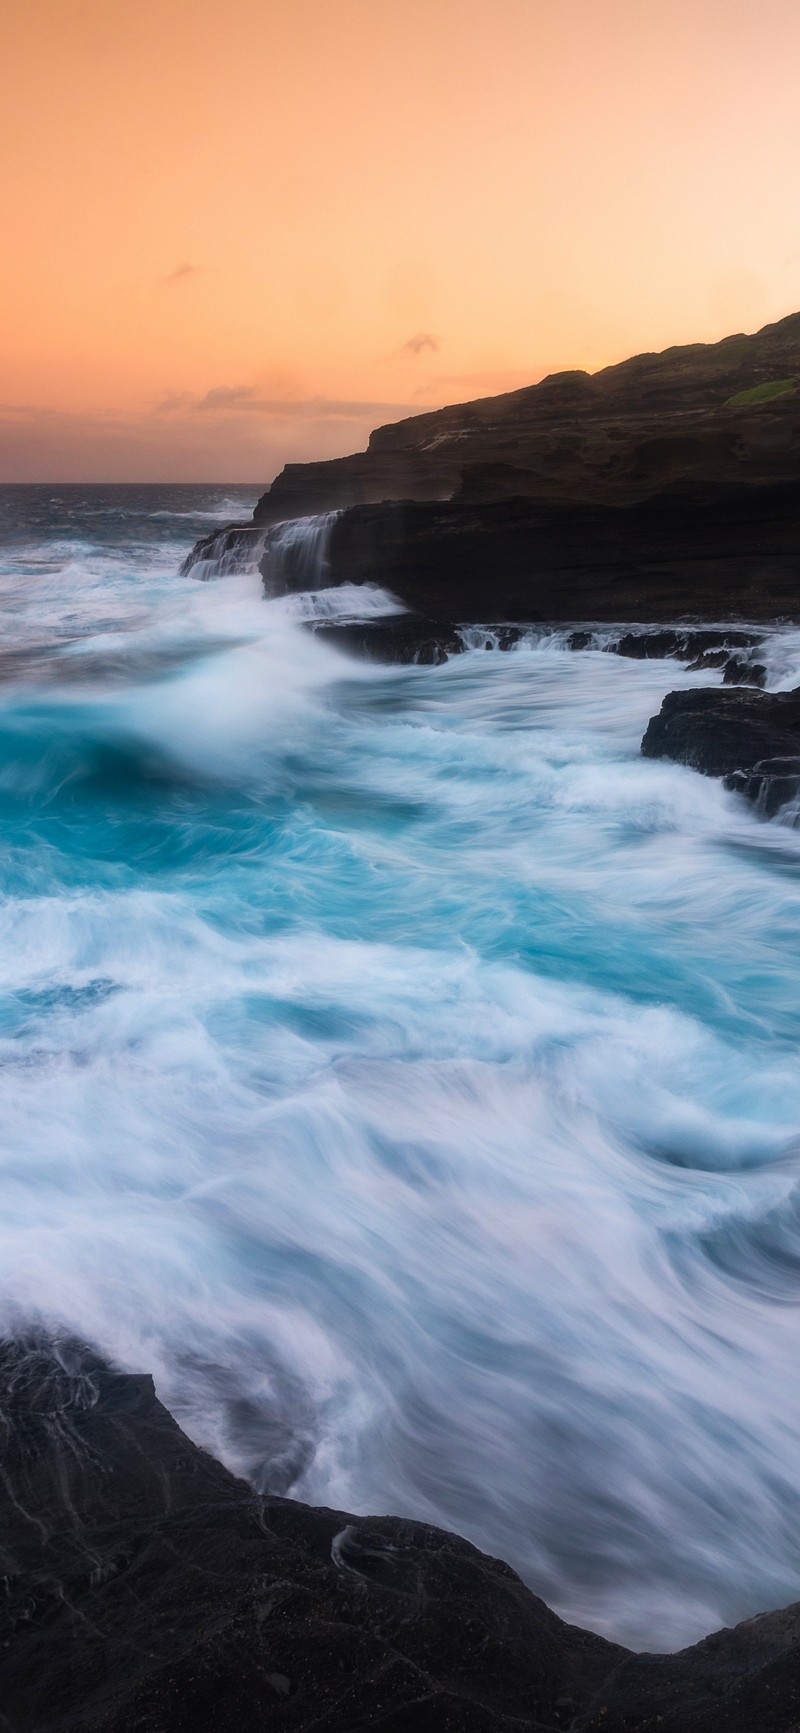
{"type": "Point", "coordinates": [147, 1590]}
{"type": "Point", "coordinates": [750, 738]}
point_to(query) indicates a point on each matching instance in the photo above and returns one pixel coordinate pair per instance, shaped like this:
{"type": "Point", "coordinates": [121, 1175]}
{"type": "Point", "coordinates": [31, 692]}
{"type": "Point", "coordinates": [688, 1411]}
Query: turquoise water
{"type": "Point", "coordinates": [401, 1068]}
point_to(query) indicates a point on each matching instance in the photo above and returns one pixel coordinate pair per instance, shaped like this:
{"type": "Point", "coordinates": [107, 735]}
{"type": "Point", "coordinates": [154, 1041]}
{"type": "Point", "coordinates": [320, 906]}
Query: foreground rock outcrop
{"type": "Point", "coordinates": [415, 638]}
{"type": "Point", "coordinates": [147, 1590]}
{"type": "Point", "coordinates": [750, 738]}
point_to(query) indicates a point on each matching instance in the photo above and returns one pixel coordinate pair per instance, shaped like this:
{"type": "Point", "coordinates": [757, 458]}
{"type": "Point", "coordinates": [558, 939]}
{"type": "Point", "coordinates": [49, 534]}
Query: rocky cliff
{"type": "Point", "coordinates": [718, 412]}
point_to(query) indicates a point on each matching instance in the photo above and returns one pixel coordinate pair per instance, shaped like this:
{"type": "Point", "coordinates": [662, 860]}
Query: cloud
{"type": "Point", "coordinates": [228, 397]}
{"type": "Point", "coordinates": [180, 443]}
{"type": "Point", "coordinates": [421, 340]}
{"type": "Point", "coordinates": [176, 400]}
{"type": "Point", "coordinates": [181, 272]}
{"type": "Point", "coordinates": [233, 399]}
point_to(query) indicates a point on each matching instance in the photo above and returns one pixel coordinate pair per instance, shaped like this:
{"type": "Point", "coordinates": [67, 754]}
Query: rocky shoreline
{"type": "Point", "coordinates": [664, 489]}
{"type": "Point", "coordinates": [750, 739]}
{"type": "Point", "coordinates": [147, 1590]}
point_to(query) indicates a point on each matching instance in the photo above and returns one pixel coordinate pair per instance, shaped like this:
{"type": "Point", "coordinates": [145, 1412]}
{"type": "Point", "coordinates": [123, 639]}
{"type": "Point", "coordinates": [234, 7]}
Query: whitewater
{"type": "Point", "coordinates": [400, 1067]}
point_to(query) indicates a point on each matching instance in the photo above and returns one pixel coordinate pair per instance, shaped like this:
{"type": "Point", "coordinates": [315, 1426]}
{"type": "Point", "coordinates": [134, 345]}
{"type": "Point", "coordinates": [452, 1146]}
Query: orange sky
{"type": "Point", "coordinates": [242, 231]}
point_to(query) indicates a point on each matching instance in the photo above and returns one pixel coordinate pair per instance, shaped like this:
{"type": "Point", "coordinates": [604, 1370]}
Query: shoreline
{"type": "Point", "coordinates": [147, 1588]}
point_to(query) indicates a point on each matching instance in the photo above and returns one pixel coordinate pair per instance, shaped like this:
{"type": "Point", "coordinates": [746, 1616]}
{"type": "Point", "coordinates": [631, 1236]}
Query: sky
{"type": "Point", "coordinates": [245, 232]}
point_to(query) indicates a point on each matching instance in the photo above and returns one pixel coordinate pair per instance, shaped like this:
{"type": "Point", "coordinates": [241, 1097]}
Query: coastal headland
{"type": "Point", "coordinates": [661, 492]}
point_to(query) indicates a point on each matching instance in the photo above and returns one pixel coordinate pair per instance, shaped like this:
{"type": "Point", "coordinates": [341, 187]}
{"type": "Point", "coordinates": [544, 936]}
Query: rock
{"type": "Point", "coordinates": [396, 638]}
{"type": "Point", "coordinates": [683, 645]}
{"type": "Point", "coordinates": [722, 553]}
{"type": "Point", "coordinates": [698, 411]}
{"type": "Point", "coordinates": [408, 638]}
{"type": "Point", "coordinates": [662, 488]}
{"type": "Point", "coordinates": [744, 1680]}
{"type": "Point", "coordinates": [772, 784]}
{"type": "Point", "coordinates": [737, 671]}
{"type": "Point", "coordinates": [750, 738]}
{"type": "Point", "coordinates": [413, 638]}
{"type": "Point", "coordinates": [235, 548]}
{"type": "Point", "coordinates": [147, 1590]}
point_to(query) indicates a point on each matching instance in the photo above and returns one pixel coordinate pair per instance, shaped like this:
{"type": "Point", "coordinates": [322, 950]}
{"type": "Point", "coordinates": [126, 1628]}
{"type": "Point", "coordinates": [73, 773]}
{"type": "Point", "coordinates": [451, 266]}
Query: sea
{"type": "Point", "coordinates": [400, 1067]}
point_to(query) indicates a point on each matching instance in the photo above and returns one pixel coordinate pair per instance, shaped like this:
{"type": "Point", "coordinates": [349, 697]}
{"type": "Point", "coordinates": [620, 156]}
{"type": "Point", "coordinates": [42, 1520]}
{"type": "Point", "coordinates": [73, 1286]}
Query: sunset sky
{"type": "Point", "coordinates": [238, 232]}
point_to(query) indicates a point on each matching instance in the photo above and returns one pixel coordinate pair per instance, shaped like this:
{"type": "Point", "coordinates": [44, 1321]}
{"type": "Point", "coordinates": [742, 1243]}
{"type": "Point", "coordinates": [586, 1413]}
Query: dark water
{"type": "Point", "coordinates": [401, 1068]}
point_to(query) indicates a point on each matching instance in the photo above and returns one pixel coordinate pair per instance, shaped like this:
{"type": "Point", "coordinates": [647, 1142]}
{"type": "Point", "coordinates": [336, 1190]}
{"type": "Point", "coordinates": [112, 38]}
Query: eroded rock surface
{"type": "Point", "coordinates": [147, 1590]}
{"type": "Point", "coordinates": [715, 554]}
{"type": "Point", "coordinates": [697, 410]}
{"type": "Point", "coordinates": [750, 738]}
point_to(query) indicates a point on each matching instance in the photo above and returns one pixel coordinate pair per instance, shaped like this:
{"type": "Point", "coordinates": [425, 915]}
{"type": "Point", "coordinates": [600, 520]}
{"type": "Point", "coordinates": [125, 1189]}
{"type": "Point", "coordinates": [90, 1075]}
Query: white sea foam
{"type": "Point", "coordinates": [406, 1072]}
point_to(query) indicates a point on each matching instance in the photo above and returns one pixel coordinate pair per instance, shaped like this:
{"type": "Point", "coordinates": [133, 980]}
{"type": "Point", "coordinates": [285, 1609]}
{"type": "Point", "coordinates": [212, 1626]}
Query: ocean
{"type": "Point", "coordinates": [400, 1067]}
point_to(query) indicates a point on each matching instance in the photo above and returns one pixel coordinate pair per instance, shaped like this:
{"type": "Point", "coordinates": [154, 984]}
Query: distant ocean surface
{"type": "Point", "coordinates": [401, 1068]}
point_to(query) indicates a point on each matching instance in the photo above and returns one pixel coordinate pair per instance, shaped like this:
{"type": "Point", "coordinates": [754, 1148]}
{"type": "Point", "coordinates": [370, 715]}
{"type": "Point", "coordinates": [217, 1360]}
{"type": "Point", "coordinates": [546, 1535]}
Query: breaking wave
{"type": "Point", "coordinates": [407, 1072]}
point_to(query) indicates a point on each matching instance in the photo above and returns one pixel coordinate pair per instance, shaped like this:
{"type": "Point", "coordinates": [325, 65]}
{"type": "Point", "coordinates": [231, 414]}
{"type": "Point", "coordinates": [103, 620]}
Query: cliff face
{"type": "Point", "coordinates": [713, 553]}
{"type": "Point", "coordinates": [726, 411]}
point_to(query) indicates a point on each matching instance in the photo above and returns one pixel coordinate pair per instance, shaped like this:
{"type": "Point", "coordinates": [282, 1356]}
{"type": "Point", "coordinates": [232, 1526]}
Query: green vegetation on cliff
{"type": "Point", "coordinates": [761, 393]}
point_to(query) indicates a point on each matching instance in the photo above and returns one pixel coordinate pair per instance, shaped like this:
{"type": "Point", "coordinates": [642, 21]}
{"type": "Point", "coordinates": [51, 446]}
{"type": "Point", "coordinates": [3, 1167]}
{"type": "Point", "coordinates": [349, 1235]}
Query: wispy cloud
{"type": "Point", "coordinates": [175, 402]}
{"type": "Point", "coordinates": [421, 340]}
{"type": "Point", "coordinates": [181, 272]}
{"type": "Point", "coordinates": [244, 399]}
{"type": "Point", "coordinates": [229, 431]}
{"type": "Point", "coordinates": [228, 397]}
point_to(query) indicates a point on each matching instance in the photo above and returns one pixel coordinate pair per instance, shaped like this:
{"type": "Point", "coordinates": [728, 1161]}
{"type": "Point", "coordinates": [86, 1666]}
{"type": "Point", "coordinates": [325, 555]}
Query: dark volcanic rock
{"type": "Point", "coordinates": [395, 638]}
{"type": "Point", "coordinates": [660, 489]}
{"type": "Point", "coordinates": [683, 645]}
{"type": "Point", "coordinates": [147, 1590]}
{"type": "Point", "coordinates": [719, 554]}
{"type": "Point", "coordinates": [412, 638]}
{"type": "Point", "coordinates": [744, 1680]}
{"type": "Point", "coordinates": [750, 738]}
{"type": "Point", "coordinates": [231, 549]}
{"type": "Point", "coordinates": [408, 638]}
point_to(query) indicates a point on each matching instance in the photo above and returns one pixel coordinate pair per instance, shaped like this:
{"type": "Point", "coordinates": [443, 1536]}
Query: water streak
{"type": "Point", "coordinates": [405, 1071]}
{"type": "Point", "coordinates": [297, 554]}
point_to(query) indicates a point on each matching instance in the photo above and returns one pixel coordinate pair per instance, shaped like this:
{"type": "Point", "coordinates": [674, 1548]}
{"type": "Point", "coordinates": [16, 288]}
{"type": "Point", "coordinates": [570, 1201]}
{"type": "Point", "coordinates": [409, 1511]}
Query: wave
{"type": "Point", "coordinates": [407, 1072]}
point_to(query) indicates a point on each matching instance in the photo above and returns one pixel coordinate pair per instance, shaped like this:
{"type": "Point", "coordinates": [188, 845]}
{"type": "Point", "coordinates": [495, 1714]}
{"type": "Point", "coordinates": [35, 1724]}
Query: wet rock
{"type": "Point", "coordinates": [235, 548]}
{"type": "Point", "coordinates": [398, 638]}
{"type": "Point", "coordinates": [743, 1680]}
{"type": "Point", "coordinates": [411, 638]}
{"type": "Point", "coordinates": [147, 1590]}
{"type": "Point", "coordinates": [772, 784]}
{"type": "Point", "coordinates": [720, 554]}
{"type": "Point", "coordinates": [737, 671]}
{"type": "Point", "coordinates": [750, 738]}
{"type": "Point", "coordinates": [683, 644]}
